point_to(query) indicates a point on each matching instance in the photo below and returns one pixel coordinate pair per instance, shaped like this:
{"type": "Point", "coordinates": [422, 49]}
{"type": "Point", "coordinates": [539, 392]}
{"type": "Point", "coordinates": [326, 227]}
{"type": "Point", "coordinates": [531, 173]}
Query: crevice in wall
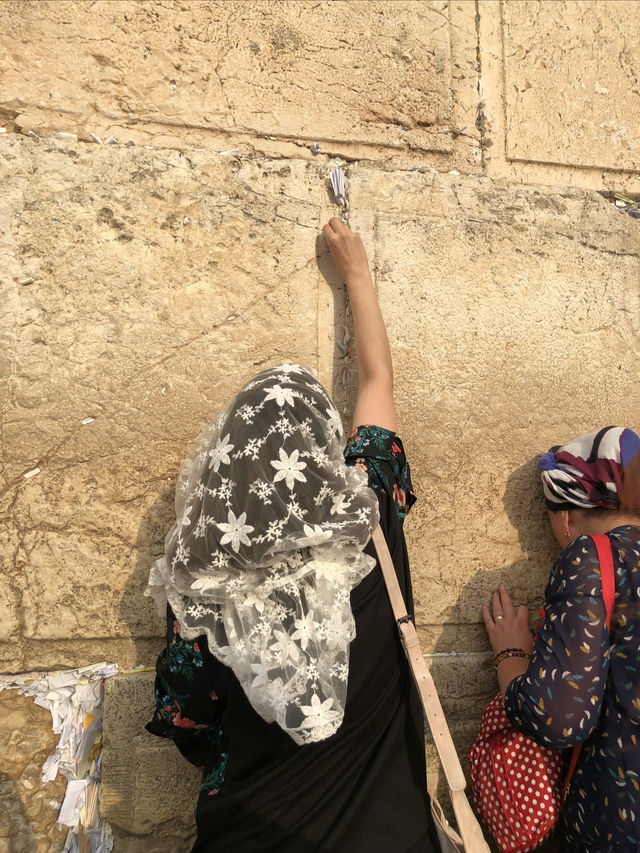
{"type": "Point", "coordinates": [627, 203]}
{"type": "Point", "coordinates": [481, 120]}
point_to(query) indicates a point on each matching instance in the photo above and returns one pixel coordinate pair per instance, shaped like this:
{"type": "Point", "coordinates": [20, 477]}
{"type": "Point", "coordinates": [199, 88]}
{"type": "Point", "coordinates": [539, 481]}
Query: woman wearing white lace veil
{"type": "Point", "coordinates": [283, 678]}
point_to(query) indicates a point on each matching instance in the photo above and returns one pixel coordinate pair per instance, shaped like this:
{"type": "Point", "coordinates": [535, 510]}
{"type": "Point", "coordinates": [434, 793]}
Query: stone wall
{"type": "Point", "coordinates": [144, 280]}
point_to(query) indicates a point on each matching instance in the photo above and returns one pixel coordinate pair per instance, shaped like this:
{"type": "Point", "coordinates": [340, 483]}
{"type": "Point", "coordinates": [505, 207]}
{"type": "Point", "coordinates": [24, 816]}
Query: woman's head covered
{"type": "Point", "coordinates": [595, 471]}
{"type": "Point", "coordinates": [267, 545]}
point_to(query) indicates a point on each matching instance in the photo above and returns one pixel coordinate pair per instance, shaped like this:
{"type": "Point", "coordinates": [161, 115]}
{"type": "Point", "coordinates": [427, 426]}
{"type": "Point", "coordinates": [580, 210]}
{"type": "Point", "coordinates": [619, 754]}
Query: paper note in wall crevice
{"type": "Point", "coordinates": [75, 700]}
{"type": "Point", "coordinates": [340, 186]}
{"type": "Point", "coordinates": [73, 802]}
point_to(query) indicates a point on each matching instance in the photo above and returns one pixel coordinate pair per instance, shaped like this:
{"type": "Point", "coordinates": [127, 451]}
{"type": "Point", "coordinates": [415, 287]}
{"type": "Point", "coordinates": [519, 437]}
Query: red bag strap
{"type": "Point", "coordinates": [607, 578]}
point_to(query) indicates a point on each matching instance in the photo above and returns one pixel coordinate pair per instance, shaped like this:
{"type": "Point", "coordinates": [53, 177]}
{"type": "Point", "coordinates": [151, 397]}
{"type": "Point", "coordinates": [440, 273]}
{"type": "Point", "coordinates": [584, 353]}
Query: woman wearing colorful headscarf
{"type": "Point", "coordinates": [283, 677]}
{"type": "Point", "coordinates": [579, 683]}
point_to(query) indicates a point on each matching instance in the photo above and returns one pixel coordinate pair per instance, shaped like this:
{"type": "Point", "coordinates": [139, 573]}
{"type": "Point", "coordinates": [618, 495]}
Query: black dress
{"type": "Point", "coordinates": [363, 789]}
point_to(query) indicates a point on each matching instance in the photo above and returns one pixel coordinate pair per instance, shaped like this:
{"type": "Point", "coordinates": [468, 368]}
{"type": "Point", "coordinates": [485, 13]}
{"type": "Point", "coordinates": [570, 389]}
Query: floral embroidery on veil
{"type": "Point", "coordinates": [268, 544]}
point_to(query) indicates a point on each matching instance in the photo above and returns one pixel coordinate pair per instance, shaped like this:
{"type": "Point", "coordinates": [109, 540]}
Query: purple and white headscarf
{"type": "Point", "coordinates": [588, 471]}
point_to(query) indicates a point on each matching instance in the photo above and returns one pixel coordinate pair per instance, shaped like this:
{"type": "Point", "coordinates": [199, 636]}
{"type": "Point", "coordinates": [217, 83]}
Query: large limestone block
{"type": "Point", "coordinates": [141, 288]}
{"type": "Point", "coordinates": [571, 97]}
{"type": "Point", "coordinates": [512, 313]}
{"type": "Point", "coordinates": [372, 79]}
{"type": "Point", "coordinates": [514, 320]}
{"type": "Point", "coordinates": [559, 94]}
{"type": "Point", "coordinates": [27, 811]}
{"type": "Point", "coordinates": [149, 790]}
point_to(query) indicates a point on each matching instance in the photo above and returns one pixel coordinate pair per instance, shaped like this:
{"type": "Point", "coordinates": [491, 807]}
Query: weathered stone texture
{"type": "Point", "coordinates": [393, 78]}
{"type": "Point", "coordinates": [571, 82]}
{"type": "Point", "coordinates": [514, 316]}
{"type": "Point", "coordinates": [141, 286]}
{"type": "Point", "coordinates": [27, 811]}
{"type": "Point", "coordinates": [136, 799]}
{"type": "Point", "coordinates": [149, 335]}
{"type": "Point", "coordinates": [156, 283]}
{"type": "Point", "coordinates": [558, 99]}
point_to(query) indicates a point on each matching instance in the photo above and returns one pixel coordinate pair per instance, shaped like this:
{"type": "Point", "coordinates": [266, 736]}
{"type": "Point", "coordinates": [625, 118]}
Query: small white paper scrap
{"type": "Point", "coordinates": [50, 768]}
{"type": "Point", "coordinates": [340, 186]}
{"type": "Point", "coordinates": [73, 802]}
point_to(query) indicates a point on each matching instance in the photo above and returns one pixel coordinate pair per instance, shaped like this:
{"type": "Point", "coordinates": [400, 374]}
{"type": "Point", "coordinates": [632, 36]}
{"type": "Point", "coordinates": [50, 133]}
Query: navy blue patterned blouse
{"type": "Point", "coordinates": [583, 686]}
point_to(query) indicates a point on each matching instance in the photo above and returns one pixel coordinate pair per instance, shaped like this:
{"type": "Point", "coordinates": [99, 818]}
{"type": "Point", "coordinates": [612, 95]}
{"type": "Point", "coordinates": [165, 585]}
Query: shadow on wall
{"type": "Point", "coordinates": [157, 520]}
{"type": "Point", "coordinates": [344, 374]}
{"type": "Point", "coordinates": [135, 608]}
{"type": "Point", "coordinates": [14, 823]}
{"type": "Point", "coordinates": [526, 580]}
{"type": "Point", "coordinates": [524, 505]}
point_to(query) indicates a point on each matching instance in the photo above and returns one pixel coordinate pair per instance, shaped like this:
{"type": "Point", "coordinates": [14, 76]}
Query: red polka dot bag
{"type": "Point", "coordinates": [518, 785]}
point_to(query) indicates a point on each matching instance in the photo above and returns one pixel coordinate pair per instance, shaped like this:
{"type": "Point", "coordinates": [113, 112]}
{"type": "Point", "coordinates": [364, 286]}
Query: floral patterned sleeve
{"type": "Point", "coordinates": [186, 705]}
{"type": "Point", "coordinates": [380, 453]}
{"type": "Point", "coordinates": [557, 701]}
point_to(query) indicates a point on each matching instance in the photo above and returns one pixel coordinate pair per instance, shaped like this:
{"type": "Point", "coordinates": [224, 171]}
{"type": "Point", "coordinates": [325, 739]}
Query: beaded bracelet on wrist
{"type": "Point", "coordinates": [509, 653]}
{"type": "Point", "coordinates": [502, 651]}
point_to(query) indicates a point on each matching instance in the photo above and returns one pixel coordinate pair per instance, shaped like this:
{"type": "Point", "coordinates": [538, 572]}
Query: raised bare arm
{"type": "Point", "coordinates": [375, 403]}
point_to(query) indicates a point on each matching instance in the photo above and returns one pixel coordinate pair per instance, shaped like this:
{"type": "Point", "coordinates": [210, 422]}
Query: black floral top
{"type": "Point", "coordinates": [361, 789]}
{"type": "Point", "coordinates": [380, 453]}
{"type": "Point", "coordinates": [187, 706]}
{"type": "Point", "coordinates": [583, 686]}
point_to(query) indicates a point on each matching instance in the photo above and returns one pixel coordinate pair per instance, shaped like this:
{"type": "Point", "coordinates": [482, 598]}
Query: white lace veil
{"type": "Point", "coordinates": [267, 546]}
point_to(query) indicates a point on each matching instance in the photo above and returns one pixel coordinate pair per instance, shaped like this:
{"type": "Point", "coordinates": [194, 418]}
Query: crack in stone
{"type": "Point", "coordinates": [44, 461]}
{"type": "Point", "coordinates": [481, 119]}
